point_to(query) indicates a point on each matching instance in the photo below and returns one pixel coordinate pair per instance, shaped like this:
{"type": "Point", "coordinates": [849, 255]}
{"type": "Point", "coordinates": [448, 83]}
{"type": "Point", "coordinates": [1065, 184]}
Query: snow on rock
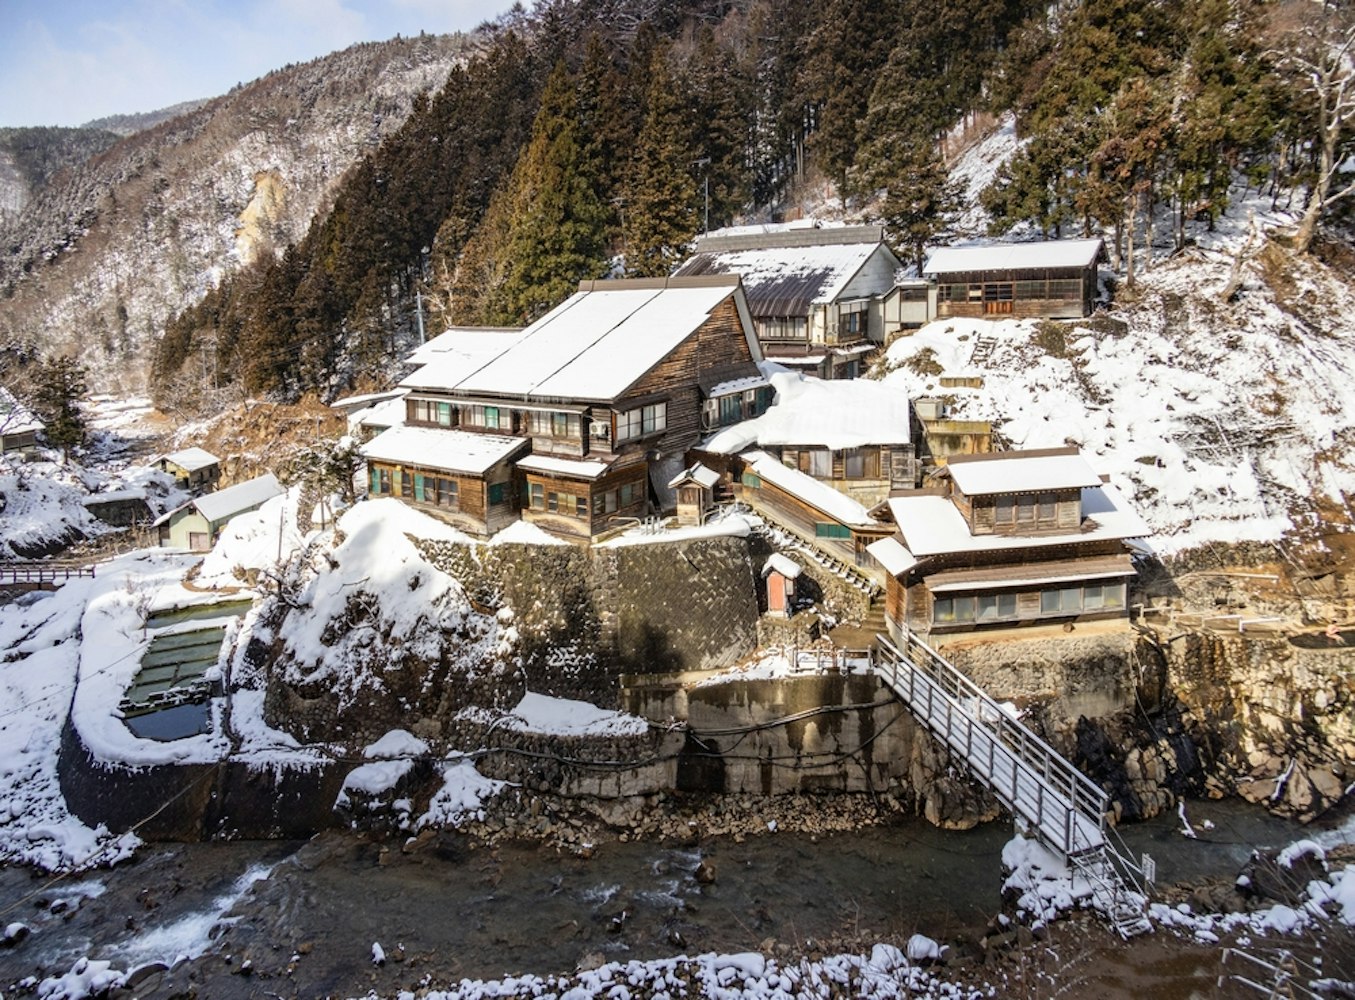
{"type": "Point", "coordinates": [1221, 422]}
{"type": "Point", "coordinates": [1301, 849]}
{"type": "Point", "coordinates": [462, 795]}
{"type": "Point", "coordinates": [43, 510]}
{"type": "Point", "coordinates": [378, 954]}
{"type": "Point", "coordinates": [922, 949]}
{"type": "Point", "coordinates": [369, 620]}
{"type": "Point", "coordinates": [85, 979]}
{"type": "Point", "coordinates": [373, 779]}
{"type": "Point", "coordinates": [539, 713]}
{"type": "Point", "coordinates": [885, 973]}
{"type": "Point", "coordinates": [731, 526]}
{"type": "Point", "coordinates": [396, 744]}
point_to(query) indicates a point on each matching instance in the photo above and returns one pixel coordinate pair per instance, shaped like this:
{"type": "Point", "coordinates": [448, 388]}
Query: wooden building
{"type": "Point", "coordinates": [590, 410]}
{"type": "Point", "coordinates": [1053, 279]}
{"type": "Point", "coordinates": [816, 295]}
{"type": "Point", "coordinates": [695, 487]}
{"type": "Point", "coordinates": [1008, 539]}
{"type": "Point", "coordinates": [856, 437]}
{"type": "Point", "coordinates": [19, 426]}
{"type": "Point", "coordinates": [193, 469]}
{"type": "Point", "coordinates": [196, 524]}
{"type": "Point", "coordinates": [819, 515]}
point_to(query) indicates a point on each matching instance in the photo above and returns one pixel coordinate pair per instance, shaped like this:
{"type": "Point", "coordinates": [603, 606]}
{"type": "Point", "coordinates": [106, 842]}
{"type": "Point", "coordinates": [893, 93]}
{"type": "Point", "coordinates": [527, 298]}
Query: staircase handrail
{"type": "Point", "coordinates": [1085, 796]}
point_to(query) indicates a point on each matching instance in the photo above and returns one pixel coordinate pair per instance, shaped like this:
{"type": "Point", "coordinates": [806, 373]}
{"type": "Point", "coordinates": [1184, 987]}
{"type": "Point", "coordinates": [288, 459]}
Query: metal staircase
{"type": "Point", "coordinates": [1057, 804]}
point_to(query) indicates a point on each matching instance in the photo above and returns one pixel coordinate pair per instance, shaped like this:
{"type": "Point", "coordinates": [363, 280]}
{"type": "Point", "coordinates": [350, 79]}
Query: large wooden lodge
{"type": "Point", "coordinates": [581, 422]}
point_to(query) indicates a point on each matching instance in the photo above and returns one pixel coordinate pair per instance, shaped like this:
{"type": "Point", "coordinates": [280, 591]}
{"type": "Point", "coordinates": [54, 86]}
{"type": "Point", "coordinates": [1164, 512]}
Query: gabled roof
{"type": "Point", "coordinates": [786, 273]}
{"type": "Point", "coordinates": [1038, 256]}
{"type": "Point", "coordinates": [1020, 472]}
{"type": "Point", "coordinates": [191, 459]}
{"type": "Point", "coordinates": [225, 504]}
{"type": "Point", "coordinates": [932, 525]}
{"type": "Point", "coordinates": [595, 345]}
{"type": "Point", "coordinates": [816, 413]}
{"type": "Point", "coordinates": [15, 418]}
{"type": "Point", "coordinates": [467, 452]}
{"type": "Point", "coordinates": [699, 474]}
{"type": "Point", "coordinates": [458, 352]}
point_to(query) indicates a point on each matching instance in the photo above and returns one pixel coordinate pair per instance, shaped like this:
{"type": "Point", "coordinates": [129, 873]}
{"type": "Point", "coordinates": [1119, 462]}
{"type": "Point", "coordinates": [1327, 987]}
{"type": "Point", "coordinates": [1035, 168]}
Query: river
{"type": "Point", "coordinates": [302, 917]}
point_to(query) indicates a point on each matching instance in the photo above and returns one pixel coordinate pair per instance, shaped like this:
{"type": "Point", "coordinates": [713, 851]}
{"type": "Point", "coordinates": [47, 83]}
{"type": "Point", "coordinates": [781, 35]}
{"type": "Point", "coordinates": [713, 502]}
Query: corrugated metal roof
{"type": "Point", "coordinates": [788, 280]}
{"type": "Point", "coordinates": [806, 237]}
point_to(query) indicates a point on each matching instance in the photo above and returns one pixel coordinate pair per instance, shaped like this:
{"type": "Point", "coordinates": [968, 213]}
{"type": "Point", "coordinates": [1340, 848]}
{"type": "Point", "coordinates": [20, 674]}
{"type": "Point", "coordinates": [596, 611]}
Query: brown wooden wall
{"type": "Point", "coordinates": [1067, 517]}
{"type": "Point", "coordinates": [597, 521]}
{"type": "Point", "coordinates": [473, 512]}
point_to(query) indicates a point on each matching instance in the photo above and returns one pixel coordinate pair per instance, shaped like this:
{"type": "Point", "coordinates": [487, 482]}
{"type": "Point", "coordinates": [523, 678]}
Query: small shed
{"type": "Point", "coordinates": [780, 574]}
{"type": "Point", "coordinates": [695, 489]}
{"type": "Point", "coordinates": [196, 524]}
{"type": "Point", "coordinates": [19, 426]}
{"type": "Point", "coordinates": [193, 469]}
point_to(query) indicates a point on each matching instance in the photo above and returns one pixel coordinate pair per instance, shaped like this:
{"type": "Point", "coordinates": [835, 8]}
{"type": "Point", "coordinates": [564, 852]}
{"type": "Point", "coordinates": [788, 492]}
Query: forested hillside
{"type": "Point", "coordinates": [587, 136]}
{"type": "Point", "coordinates": [113, 240]}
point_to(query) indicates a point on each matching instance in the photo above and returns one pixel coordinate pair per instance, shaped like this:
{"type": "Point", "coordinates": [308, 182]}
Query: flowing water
{"type": "Point", "coordinates": [302, 918]}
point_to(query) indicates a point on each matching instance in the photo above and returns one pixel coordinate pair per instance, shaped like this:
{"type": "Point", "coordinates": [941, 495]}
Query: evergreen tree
{"type": "Point", "coordinates": [60, 387]}
{"type": "Point", "coordinates": [558, 228]}
{"type": "Point", "coordinates": [661, 216]}
{"type": "Point", "coordinates": [920, 204]}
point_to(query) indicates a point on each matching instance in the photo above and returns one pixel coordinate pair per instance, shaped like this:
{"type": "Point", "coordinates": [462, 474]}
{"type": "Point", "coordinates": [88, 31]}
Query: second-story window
{"type": "Point", "coordinates": [641, 421]}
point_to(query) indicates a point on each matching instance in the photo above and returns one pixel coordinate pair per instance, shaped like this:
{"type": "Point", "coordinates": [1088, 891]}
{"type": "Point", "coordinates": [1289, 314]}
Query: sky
{"type": "Point", "coordinates": [67, 62]}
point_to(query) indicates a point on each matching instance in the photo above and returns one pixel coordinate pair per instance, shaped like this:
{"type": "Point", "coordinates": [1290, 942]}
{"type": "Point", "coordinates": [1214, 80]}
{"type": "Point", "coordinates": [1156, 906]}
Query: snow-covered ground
{"type": "Point", "coordinates": [1222, 421]}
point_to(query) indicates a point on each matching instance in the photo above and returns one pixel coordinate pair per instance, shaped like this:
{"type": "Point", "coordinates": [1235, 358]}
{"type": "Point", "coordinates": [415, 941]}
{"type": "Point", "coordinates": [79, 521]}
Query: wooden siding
{"type": "Point", "coordinates": [597, 520]}
{"type": "Point", "coordinates": [982, 516]}
{"type": "Point", "coordinates": [798, 517]}
{"type": "Point", "coordinates": [473, 512]}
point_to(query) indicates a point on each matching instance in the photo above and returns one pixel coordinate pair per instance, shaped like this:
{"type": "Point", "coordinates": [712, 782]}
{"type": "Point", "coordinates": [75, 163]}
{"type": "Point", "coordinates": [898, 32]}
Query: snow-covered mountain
{"type": "Point", "coordinates": [108, 249]}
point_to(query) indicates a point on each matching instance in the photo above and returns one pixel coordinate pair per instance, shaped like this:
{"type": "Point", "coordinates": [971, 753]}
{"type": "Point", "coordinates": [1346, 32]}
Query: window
{"type": "Point", "coordinates": [731, 410]}
{"type": "Point", "coordinates": [444, 415]}
{"type": "Point", "coordinates": [752, 480]}
{"type": "Point", "coordinates": [992, 607]}
{"type": "Point", "coordinates": [425, 488]}
{"type": "Point", "coordinates": [609, 502]}
{"type": "Point", "coordinates": [558, 425]}
{"type": "Point", "coordinates": [553, 502]}
{"type": "Point", "coordinates": [538, 496]}
{"type": "Point", "coordinates": [1005, 511]}
{"type": "Point", "coordinates": [449, 493]}
{"type": "Point", "coordinates": [862, 463]}
{"type": "Point", "coordinates": [492, 417]}
{"type": "Point", "coordinates": [406, 482]}
{"type": "Point", "coordinates": [498, 493]}
{"type": "Point", "coordinates": [1025, 510]}
{"type": "Point", "coordinates": [380, 481]}
{"type": "Point", "coordinates": [628, 494]}
{"type": "Point", "coordinates": [581, 506]}
{"type": "Point", "coordinates": [826, 529]}
{"type": "Point", "coordinates": [641, 421]}
{"type": "Point", "coordinates": [817, 462]}
{"type": "Point", "coordinates": [1049, 507]}
{"type": "Point", "coordinates": [782, 328]}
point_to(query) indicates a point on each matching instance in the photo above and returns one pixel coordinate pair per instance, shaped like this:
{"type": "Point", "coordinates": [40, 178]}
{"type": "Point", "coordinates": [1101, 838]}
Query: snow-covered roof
{"type": "Point", "coordinates": [933, 525]}
{"type": "Point", "coordinates": [838, 506]}
{"type": "Point", "coordinates": [435, 448]}
{"type": "Point", "coordinates": [890, 554]}
{"type": "Point", "coordinates": [352, 404]}
{"type": "Point", "coordinates": [787, 280]}
{"type": "Point", "coordinates": [466, 341]}
{"type": "Point", "coordinates": [574, 468]}
{"type": "Point", "coordinates": [224, 504]}
{"type": "Point", "coordinates": [731, 386]}
{"type": "Point", "coordinates": [15, 418]}
{"type": "Point", "coordinates": [777, 563]}
{"type": "Point", "coordinates": [698, 474]}
{"type": "Point", "coordinates": [192, 459]}
{"type": "Point", "coordinates": [593, 346]}
{"type": "Point", "coordinates": [1020, 472]}
{"type": "Point", "coordinates": [1041, 255]}
{"type": "Point", "coordinates": [389, 412]}
{"type": "Point", "coordinates": [457, 354]}
{"type": "Point", "coordinates": [812, 412]}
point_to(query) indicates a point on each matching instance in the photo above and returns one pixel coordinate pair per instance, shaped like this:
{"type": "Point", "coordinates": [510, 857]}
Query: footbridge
{"type": "Point", "coordinates": [1057, 804]}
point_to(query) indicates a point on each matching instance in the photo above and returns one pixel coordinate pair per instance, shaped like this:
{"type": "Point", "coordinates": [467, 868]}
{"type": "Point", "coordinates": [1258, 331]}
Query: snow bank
{"type": "Point", "coordinates": [462, 795]}
{"type": "Point", "coordinates": [732, 526]}
{"type": "Point", "coordinates": [539, 713]}
{"type": "Point", "coordinates": [252, 541]}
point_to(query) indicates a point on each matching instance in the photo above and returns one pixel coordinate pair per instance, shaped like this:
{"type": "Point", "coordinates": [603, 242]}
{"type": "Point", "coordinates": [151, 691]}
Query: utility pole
{"type": "Point", "coordinates": [418, 308]}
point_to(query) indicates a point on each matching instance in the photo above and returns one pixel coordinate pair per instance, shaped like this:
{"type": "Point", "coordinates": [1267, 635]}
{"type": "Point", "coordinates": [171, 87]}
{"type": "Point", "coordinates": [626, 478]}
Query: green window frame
{"type": "Point", "coordinates": [752, 480]}
{"type": "Point", "coordinates": [827, 529]}
{"type": "Point", "coordinates": [498, 493]}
